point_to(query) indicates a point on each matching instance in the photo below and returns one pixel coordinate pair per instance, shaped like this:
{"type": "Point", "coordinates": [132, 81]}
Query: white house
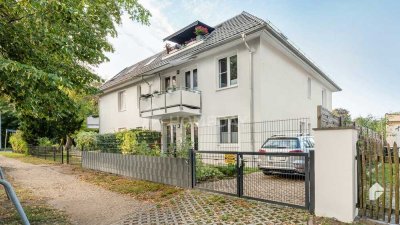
{"type": "Point", "coordinates": [243, 71]}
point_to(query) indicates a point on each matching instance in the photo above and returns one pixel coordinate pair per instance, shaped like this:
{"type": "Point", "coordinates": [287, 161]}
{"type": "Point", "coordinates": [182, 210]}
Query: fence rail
{"type": "Point", "coordinates": [56, 154]}
{"type": "Point", "coordinates": [172, 171]}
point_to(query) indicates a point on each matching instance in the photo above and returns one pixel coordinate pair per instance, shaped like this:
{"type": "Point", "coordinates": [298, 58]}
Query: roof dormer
{"type": "Point", "coordinates": [188, 33]}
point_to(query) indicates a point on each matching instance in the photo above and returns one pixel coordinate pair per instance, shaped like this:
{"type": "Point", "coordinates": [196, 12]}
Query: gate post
{"type": "Point", "coordinates": [193, 167]}
{"type": "Point", "coordinates": [311, 207]}
{"type": "Point", "coordinates": [239, 170]}
{"type": "Point", "coordinates": [67, 155]}
{"type": "Point", "coordinates": [336, 173]}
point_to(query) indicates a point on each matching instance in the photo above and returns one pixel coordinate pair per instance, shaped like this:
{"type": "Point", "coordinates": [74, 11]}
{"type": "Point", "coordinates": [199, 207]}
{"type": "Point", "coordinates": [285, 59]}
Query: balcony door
{"type": "Point", "coordinates": [170, 82]}
{"type": "Point", "coordinates": [191, 79]}
{"type": "Point", "coordinates": [170, 131]}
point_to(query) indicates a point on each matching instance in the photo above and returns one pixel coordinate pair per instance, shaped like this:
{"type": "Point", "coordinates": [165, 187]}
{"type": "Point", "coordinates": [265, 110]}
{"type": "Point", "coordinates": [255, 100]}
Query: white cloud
{"type": "Point", "coordinates": [135, 41]}
{"type": "Point", "coordinates": [210, 11]}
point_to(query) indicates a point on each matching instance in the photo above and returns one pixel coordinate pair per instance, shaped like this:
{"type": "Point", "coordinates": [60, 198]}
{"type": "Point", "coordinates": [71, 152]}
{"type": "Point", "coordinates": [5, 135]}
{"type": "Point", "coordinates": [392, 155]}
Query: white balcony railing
{"type": "Point", "coordinates": [175, 101]}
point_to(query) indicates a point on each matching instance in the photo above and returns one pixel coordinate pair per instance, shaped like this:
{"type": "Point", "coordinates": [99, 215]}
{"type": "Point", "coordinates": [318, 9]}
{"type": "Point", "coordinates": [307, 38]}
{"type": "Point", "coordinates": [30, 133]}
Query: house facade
{"type": "Point", "coordinates": [393, 128]}
{"type": "Point", "coordinates": [242, 71]}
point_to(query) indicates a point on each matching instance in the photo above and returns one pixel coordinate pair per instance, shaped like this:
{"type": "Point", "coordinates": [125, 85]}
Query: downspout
{"type": "Point", "coordinates": [251, 91]}
{"type": "Point", "coordinates": [151, 103]}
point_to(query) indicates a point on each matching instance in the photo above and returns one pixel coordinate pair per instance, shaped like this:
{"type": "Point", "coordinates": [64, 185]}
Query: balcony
{"type": "Point", "coordinates": [171, 103]}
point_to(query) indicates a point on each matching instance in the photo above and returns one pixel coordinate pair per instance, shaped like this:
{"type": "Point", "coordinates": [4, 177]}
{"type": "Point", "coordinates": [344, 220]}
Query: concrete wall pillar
{"type": "Point", "coordinates": [336, 173]}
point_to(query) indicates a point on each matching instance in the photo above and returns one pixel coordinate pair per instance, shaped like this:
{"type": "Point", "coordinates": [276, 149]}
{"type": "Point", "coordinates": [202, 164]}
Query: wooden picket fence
{"type": "Point", "coordinates": [378, 163]}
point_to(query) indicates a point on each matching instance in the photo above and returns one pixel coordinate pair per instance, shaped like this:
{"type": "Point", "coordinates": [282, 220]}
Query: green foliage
{"type": "Point", "coordinates": [228, 170]}
{"type": "Point", "coordinates": [343, 113]}
{"type": "Point", "coordinates": [180, 149]}
{"type": "Point", "coordinates": [86, 140]}
{"type": "Point", "coordinates": [136, 141]}
{"type": "Point", "coordinates": [183, 148]}
{"type": "Point", "coordinates": [375, 124]}
{"type": "Point", "coordinates": [9, 118]}
{"type": "Point", "coordinates": [46, 50]}
{"type": "Point", "coordinates": [128, 142]}
{"type": "Point", "coordinates": [108, 143]}
{"type": "Point", "coordinates": [44, 142]}
{"type": "Point", "coordinates": [204, 173]}
{"type": "Point", "coordinates": [18, 142]}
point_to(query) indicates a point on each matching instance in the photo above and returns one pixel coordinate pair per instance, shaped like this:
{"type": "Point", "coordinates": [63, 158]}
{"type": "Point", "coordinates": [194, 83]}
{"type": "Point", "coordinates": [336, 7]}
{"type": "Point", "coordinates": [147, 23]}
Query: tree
{"type": "Point", "coordinates": [9, 119]}
{"type": "Point", "coordinates": [343, 113]}
{"type": "Point", "coordinates": [46, 51]}
{"type": "Point", "coordinates": [375, 124]}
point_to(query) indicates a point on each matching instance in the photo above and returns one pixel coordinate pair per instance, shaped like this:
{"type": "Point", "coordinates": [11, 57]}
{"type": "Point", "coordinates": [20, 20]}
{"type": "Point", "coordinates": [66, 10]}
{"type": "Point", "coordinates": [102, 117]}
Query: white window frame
{"type": "Point", "coordinates": [229, 85]}
{"type": "Point", "coordinates": [230, 118]}
{"type": "Point", "coordinates": [122, 105]}
{"type": "Point", "coordinates": [171, 85]}
{"type": "Point", "coordinates": [309, 88]}
{"type": "Point", "coordinates": [191, 70]}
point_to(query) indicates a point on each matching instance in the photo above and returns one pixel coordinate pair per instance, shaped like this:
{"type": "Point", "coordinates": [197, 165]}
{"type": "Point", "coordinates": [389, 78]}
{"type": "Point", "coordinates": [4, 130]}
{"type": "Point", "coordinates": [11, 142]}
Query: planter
{"type": "Point", "coordinates": [199, 37]}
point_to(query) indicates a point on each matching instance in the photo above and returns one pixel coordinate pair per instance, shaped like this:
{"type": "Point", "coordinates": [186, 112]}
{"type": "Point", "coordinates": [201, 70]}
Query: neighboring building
{"type": "Point", "coordinates": [243, 71]}
{"type": "Point", "coordinates": [393, 128]}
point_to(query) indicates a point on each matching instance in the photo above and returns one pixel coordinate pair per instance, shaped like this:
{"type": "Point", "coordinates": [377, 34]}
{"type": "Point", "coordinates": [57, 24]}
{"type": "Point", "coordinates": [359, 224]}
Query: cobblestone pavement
{"type": "Point", "coordinates": [276, 188]}
{"type": "Point", "coordinates": [199, 207]}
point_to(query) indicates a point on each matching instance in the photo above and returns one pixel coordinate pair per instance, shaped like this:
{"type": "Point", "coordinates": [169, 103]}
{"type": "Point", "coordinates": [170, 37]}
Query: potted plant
{"type": "Point", "coordinates": [200, 31]}
{"type": "Point", "coordinates": [156, 92]}
{"type": "Point", "coordinates": [145, 95]}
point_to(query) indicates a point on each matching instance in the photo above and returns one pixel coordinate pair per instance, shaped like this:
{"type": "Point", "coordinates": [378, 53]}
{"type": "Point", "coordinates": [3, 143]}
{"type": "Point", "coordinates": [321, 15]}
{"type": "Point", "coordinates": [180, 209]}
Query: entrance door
{"type": "Point", "coordinates": [191, 134]}
{"type": "Point", "coordinates": [170, 131]}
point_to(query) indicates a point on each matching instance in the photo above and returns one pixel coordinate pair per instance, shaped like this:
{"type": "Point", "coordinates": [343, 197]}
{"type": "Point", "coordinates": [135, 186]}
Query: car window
{"type": "Point", "coordinates": [282, 143]}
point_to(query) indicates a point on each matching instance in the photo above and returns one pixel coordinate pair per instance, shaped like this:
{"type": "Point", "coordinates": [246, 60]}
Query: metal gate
{"type": "Point", "coordinates": [279, 178]}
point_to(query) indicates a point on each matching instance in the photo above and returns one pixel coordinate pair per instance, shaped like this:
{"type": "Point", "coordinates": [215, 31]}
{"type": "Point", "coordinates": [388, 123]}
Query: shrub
{"type": "Point", "coordinates": [204, 173]}
{"type": "Point", "coordinates": [18, 142]}
{"type": "Point", "coordinates": [108, 143]}
{"type": "Point", "coordinates": [229, 170]}
{"type": "Point", "coordinates": [86, 140]}
{"type": "Point", "coordinates": [44, 142]}
{"type": "Point", "coordinates": [128, 142]}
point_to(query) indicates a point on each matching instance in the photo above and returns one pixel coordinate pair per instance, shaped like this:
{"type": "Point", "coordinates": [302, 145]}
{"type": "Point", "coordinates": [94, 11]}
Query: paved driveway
{"type": "Point", "coordinates": [199, 207]}
{"type": "Point", "coordinates": [278, 188]}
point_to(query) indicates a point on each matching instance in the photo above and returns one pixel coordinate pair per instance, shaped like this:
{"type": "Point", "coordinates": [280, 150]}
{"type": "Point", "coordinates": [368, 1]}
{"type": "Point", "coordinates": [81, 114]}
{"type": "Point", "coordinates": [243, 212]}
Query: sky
{"type": "Point", "coordinates": [357, 43]}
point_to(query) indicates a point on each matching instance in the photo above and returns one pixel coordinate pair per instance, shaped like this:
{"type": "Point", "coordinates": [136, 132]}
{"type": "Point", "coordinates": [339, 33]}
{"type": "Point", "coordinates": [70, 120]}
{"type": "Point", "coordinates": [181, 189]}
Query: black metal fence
{"type": "Point", "coordinates": [280, 178]}
{"type": "Point", "coordinates": [56, 154]}
{"type": "Point", "coordinates": [249, 137]}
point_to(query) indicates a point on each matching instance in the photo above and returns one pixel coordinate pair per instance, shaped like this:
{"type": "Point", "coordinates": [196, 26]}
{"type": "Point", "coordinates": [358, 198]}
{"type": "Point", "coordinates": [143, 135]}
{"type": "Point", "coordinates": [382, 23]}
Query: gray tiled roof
{"type": "Point", "coordinates": [227, 30]}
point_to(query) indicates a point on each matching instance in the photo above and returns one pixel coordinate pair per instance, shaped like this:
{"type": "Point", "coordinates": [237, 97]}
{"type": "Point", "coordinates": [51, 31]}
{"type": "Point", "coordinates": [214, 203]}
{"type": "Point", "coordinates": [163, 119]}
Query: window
{"type": "Point", "coordinates": [121, 101]}
{"type": "Point", "coordinates": [229, 129]}
{"type": "Point", "coordinates": [187, 80]}
{"type": "Point", "coordinates": [233, 70]}
{"type": "Point", "coordinates": [284, 143]}
{"type": "Point", "coordinates": [195, 79]}
{"type": "Point", "coordinates": [191, 79]}
{"type": "Point", "coordinates": [309, 88]}
{"type": "Point", "coordinates": [167, 83]}
{"type": "Point", "coordinates": [223, 73]}
{"type": "Point", "coordinates": [227, 71]}
{"type": "Point", "coordinates": [323, 98]}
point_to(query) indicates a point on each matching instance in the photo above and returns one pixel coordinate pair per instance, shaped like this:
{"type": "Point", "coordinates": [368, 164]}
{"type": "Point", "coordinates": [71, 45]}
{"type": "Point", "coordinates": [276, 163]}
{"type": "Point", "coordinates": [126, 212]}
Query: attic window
{"type": "Point", "coordinates": [150, 61]}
